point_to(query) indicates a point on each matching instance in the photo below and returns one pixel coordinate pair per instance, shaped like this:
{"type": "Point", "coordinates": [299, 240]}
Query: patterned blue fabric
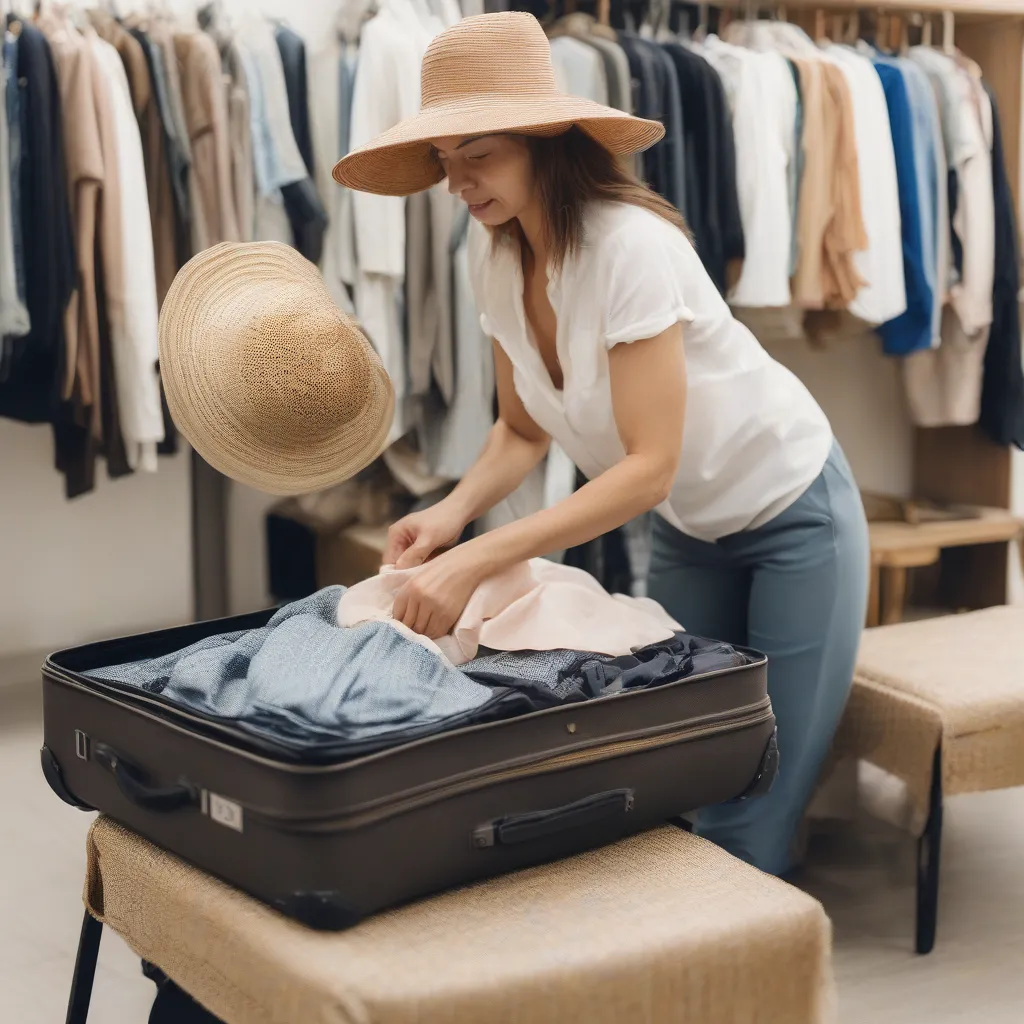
{"type": "Point", "coordinates": [305, 682]}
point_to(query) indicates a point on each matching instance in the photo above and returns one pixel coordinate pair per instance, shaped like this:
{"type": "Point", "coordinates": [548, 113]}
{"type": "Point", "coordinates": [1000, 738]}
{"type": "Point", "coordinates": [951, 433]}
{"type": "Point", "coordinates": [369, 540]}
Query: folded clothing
{"type": "Point", "coordinates": [303, 688]}
{"type": "Point", "coordinates": [533, 606]}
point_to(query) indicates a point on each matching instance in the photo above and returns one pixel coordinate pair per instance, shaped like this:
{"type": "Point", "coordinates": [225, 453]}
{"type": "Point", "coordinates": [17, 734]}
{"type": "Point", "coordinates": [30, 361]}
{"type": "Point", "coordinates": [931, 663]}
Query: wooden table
{"type": "Point", "coordinates": [897, 547]}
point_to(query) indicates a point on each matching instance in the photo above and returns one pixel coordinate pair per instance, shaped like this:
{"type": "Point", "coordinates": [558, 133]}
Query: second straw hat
{"type": "Point", "coordinates": [265, 377]}
{"type": "Point", "coordinates": [486, 75]}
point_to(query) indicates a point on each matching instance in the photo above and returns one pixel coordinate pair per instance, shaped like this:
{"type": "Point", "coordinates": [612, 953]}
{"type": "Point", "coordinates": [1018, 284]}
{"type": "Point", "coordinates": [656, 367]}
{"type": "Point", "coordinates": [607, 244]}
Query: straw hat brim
{"type": "Point", "coordinates": [210, 294]}
{"type": "Point", "coordinates": [400, 162]}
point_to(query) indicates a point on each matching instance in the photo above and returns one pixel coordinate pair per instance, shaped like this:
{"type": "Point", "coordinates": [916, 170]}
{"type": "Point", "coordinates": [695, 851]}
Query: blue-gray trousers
{"type": "Point", "coordinates": [795, 589]}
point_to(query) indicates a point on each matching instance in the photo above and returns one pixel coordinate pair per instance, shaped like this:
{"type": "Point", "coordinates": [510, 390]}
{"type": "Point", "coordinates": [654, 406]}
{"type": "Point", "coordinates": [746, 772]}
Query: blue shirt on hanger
{"type": "Point", "coordinates": [912, 330]}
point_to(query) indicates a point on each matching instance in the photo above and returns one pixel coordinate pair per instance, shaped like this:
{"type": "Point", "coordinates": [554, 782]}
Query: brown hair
{"type": "Point", "coordinates": [571, 171]}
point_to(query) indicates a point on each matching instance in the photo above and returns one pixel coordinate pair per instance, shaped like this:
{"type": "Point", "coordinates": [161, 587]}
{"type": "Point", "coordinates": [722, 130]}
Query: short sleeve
{"type": "Point", "coordinates": [644, 282]}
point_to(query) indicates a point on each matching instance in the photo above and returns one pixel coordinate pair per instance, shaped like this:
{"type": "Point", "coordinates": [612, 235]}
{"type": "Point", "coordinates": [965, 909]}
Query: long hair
{"type": "Point", "coordinates": [572, 170]}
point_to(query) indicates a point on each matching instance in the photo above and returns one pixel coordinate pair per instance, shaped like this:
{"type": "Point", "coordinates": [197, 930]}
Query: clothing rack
{"type": "Point", "coordinates": [969, 9]}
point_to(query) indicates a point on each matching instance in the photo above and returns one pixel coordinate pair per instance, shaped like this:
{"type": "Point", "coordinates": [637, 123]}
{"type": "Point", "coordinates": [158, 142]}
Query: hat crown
{"type": "Point", "coordinates": [302, 369]}
{"type": "Point", "coordinates": [503, 54]}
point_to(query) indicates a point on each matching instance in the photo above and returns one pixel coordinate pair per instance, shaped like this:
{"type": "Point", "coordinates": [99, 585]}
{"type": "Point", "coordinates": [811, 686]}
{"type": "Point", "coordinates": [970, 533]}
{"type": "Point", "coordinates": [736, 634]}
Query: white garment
{"type": "Point", "coordinates": [754, 438]}
{"type": "Point", "coordinates": [884, 296]}
{"type": "Point", "coordinates": [579, 69]}
{"type": "Point", "coordinates": [386, 90]}
{"type": "Point", "coordinates": [763, 97]}
{"type": "Point", "coordinates": [325, 119]}
{"type": "Point", "coordinates": [133, 327]}
{"type": "Point", "coordinates": [943, 385]}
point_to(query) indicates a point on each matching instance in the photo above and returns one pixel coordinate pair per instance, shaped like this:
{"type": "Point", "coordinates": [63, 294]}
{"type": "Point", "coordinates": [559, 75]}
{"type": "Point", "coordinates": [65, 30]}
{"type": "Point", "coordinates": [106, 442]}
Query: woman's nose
{"type": "Point", "coordinates": [456, 182]}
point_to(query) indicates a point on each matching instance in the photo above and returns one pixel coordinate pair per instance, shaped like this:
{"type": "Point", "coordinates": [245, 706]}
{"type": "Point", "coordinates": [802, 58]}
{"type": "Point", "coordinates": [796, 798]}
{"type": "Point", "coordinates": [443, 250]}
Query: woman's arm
{"type": "Point", "coordinates": [515, 445]}
{"type": "Point", "coordinates": [648, 384]}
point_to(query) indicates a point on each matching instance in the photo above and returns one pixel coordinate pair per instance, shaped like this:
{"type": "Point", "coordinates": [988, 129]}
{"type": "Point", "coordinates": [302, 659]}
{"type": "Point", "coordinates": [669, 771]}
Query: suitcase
{"type": "Point", "coordinates": [330, 843]}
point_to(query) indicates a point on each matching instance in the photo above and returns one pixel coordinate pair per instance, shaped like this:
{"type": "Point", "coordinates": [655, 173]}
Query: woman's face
{"type": "Point", "coordinates": [491, 174]}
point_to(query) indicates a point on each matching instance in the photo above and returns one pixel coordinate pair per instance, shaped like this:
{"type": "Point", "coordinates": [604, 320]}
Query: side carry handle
{"type": "Point", "coordinates": [526, 828]}
{"type": "Point", "coordinates": [131, 782]}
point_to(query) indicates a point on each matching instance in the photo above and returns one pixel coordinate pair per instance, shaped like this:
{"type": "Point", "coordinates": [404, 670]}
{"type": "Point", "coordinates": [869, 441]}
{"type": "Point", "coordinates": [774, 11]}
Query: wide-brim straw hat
{"type": "Point", "coordinates": [265, 377]}
{"type": "Point", "coordinates": [489, 74]}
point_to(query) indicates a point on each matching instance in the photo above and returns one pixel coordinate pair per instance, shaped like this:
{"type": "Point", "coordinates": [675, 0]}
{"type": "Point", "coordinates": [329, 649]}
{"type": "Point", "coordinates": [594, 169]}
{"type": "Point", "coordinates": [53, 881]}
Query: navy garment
{"type": "Point", "coordinates": [550, 678]}
{"type": "Point", "coordinates": [1002, 389]}
{"type": "Point", "coordinates": [31, 390]}
{"type": "Point", "coordinates": [911, 331]}
{"type": "Point", "coordinates": [712, 197]}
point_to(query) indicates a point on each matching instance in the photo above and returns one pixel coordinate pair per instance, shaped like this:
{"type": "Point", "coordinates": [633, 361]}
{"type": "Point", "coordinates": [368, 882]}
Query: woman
{"type": "Point", "coordinates": [610, 338]}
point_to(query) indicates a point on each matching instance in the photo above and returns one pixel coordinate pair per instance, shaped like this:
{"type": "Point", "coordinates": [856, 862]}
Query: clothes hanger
{"type": "Point", "coordinates": [948, 33]}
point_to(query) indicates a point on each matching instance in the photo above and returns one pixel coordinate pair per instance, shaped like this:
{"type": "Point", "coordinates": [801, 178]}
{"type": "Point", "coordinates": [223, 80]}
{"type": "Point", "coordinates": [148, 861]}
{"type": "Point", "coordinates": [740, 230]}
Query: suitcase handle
{"type": "Point", "coordinates": [525, 828]}
{"type": "Point", "coordinates": [130, 780]}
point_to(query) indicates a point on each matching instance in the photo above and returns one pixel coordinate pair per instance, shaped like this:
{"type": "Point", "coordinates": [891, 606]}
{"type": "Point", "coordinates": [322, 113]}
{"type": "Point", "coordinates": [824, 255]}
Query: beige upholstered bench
{"type": "Point", "coordinates": [940, 705]}
{"type": "Point", "coordinates": [660, 927]}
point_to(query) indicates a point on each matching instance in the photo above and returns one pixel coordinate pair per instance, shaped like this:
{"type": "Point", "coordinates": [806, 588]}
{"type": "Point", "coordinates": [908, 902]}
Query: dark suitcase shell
{"type": "Point", "coordinates": [329, 844]}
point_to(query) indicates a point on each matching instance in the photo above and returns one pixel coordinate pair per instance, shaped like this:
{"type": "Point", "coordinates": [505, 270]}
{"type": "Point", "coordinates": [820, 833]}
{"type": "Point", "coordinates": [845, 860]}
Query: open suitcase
{"type": "Point", "coordinates": [330, 843]}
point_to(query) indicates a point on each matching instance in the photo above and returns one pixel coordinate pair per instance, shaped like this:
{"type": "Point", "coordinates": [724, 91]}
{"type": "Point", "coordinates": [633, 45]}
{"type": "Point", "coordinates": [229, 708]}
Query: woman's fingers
{"type": "Point", "coordinates": [415, 554]}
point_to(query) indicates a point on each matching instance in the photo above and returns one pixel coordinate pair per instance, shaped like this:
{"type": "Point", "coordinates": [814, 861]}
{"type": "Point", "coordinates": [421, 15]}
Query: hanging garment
{"type": "Point", "coordinates": [884, 296]}
{"type": "Point", "coordinates": [616, 66]}
{"type": "Point", "coordinates": [134, 322]}
{"type": "Point", "coordinates": [305, 210]}
{"type": "Point", "coordinates": [385, 91]}
{"type": "Point", "coordinates": [452, 437]}
{"type": "Point", "coordinates": [579, 69]}
{"type": "Point", "coordinates": [14, 318]}
{"type": "Point", "coordinates": [158, 172]}
{"type": "Point", "coordinates": [929, 166]}
{"type": "Point", "coordinates": [31, 388]}
{"type": "Point", "coordinates": [177, 158]}
{"type": "Point", "coordinates": [204, 98]}
{"type": "Point", "coordinates": [712, 199]}
{"type": "Point", "coordinates": [912, 330]}
{"type": "Point", "coordinates": [763, 107]}
{"type": "Point", "coordinates": [1002, 395]}
{"type": "Point", "coordinates": [533, 606]}
{"type": "Point", "coordinates": [944, 386]}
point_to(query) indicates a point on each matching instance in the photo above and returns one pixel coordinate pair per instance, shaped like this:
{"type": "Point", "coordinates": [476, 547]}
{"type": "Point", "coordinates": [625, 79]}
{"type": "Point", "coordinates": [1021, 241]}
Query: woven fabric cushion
{"type": "Point", "coordinates": [969, 667]}
{"type": "Point", "coordinates": [661, 927]}
{"type": "Point", "coordinates": [956, 681]}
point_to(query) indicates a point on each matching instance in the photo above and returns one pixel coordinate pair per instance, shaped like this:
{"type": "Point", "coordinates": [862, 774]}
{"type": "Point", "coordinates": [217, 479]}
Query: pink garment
{"type": "Point", "coordinates": [534, 606]}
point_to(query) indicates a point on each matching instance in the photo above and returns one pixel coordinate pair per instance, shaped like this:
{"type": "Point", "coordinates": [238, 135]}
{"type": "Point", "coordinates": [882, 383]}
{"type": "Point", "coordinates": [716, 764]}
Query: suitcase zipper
{"type": "Point", "coordinates": [711, 725]}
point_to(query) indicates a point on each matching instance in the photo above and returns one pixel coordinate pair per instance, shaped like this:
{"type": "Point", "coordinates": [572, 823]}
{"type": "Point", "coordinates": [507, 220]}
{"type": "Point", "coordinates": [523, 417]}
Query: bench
{"type": "Point", "coordinates": [660, 927]}
{"type": "Point", "coordinates": [939, 704]}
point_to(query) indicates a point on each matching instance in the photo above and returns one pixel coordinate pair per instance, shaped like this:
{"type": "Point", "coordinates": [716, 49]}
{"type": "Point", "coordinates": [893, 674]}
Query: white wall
{"type": "Point", "coordinates": [111, 562]}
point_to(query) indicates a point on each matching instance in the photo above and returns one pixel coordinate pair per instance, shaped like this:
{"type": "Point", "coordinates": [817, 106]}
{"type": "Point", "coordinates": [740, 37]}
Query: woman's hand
{"type": "Point", "coordinates": [432, 601]}
{"type": "Point", "coordinates": [412, 540]}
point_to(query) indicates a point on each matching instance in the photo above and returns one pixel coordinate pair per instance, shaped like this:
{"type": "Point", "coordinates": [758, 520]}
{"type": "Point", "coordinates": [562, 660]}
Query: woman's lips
{"type": "Point", "coordinates": [477, 208]}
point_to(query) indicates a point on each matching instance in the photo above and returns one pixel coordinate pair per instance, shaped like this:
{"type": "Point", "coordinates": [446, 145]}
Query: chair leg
{"type": "Point", "coordinates": [928, 850]}
{"type": "Point", "coordinates": [85, 970]}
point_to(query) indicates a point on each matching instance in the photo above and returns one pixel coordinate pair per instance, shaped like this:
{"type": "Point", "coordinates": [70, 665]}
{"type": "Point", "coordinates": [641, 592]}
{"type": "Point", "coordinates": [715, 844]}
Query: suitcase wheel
{"type": "Point", "coordinates": [55, 778]}
{"type": "Point", "coordinates": [322, 911]}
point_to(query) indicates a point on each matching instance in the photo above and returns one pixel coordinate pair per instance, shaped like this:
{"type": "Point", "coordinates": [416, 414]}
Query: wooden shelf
{"type": "Point", "coordinates": [961, 8]}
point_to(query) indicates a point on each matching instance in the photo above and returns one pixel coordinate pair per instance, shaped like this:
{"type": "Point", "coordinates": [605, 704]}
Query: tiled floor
{"type": "Point", "coordinates": [864, 878]}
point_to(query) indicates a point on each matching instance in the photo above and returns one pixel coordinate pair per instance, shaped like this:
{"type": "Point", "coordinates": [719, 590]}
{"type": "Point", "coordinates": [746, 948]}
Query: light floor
{"type": "Point", "coordinates": [864, 878]}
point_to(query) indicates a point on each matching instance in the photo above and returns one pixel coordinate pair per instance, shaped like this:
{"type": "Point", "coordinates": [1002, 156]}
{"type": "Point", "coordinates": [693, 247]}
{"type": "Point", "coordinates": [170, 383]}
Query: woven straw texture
{"type": "Point", "coordinates": [662, 927]}
{"type": "Point", "coordinates": [265, 377]}
{"type": "Point", "coordinates": [957, 680]}
{"type": "Point", "coordinates": [487, 75]}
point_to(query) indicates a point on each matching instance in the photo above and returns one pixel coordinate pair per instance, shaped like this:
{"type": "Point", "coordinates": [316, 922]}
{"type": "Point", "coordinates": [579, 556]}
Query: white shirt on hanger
{"type": "Point", "coordinates": [133, 327]}
{"type": "Point", "coordinates": [763, 97]}
{"type": "Point", "coordinates": [579, 69]}
{"type": "Point", "coordinates": [884, 296]}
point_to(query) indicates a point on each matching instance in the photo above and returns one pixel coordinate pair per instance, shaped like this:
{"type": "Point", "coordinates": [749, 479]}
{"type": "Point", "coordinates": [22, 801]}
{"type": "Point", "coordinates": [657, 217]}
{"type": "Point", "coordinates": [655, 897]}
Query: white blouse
{"type": "Point", "coordinates": [753, 440]}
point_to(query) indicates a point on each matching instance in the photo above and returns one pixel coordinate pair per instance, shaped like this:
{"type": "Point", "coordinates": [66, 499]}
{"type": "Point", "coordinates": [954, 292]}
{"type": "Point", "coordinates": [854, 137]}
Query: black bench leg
{"type": "Point", "coordinates": [928, 849]}
{"type": "Point", "coordinates": [85, 970]}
